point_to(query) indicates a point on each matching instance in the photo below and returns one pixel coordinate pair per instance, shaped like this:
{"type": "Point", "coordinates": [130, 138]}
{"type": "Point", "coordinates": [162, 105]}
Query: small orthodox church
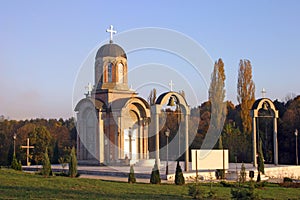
{"type": "Point", "coordinates": [112, 120]}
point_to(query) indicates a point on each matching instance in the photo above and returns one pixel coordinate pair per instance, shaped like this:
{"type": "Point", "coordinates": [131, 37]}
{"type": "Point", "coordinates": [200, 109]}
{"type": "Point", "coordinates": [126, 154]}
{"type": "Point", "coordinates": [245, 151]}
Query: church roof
{"type": "Point", "coordinates": [112, 50]}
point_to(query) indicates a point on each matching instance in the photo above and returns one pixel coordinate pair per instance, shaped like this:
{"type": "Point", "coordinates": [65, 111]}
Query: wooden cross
{"type": "Point", "coordinates": [111, 31]}
{"type": "Point", "coordinates": [171, 84]}
{"type": "Point", "coordinates": [27, 151]}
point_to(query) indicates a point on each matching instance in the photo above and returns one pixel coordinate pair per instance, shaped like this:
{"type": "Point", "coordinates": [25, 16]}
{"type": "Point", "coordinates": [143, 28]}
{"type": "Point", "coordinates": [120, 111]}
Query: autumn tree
{"type": "Point", "coordinates": [218, 105]}
{"type": "Point", "coordinates": [152, 97]}
{"type": "Point", "coordinates": [246, 96]}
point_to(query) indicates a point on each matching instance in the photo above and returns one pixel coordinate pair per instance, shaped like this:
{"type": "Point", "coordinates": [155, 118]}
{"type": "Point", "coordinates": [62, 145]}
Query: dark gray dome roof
{"type": "Point", "coordinates": [112, 50]}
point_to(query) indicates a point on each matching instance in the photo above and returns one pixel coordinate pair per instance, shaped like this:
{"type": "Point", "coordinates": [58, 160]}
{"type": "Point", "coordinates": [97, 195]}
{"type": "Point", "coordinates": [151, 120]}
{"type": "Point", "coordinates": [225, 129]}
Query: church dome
{"type": "Point", "coordinates": [112, 50]}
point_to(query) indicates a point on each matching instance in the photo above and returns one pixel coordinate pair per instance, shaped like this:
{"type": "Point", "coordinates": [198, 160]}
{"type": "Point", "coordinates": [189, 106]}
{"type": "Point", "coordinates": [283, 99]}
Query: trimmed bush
{"type": "Point", "coordinates": [46, 170]}
{"type": "Point", "coordinates": [155, 176]}
{"type": "Point", "coordinates": [15, 164]}
{"type": "Point", "coordinates": [179, 178]}
{"type": "Point", "coordinates": [131, 176]}
{"type": "Point", "coordinates": [73, 164]}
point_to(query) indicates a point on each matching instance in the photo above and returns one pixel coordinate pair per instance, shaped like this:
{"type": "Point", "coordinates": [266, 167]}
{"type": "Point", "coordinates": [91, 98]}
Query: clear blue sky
{"type": "Point", "coordinates": [43, 44]}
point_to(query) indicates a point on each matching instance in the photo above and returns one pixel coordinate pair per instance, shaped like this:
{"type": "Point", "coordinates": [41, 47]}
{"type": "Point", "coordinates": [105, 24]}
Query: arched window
{"type": "Point", "coordinates": [109, 72]}
{"type": "Point", "coordinates": [120, 73]}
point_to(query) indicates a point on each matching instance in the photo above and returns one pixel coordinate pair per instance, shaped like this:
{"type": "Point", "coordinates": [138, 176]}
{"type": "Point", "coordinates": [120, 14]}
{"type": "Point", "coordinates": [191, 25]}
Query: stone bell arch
{"type": "Point", "coordinates": [264, 103]}
{"type": "Point", "coordinates": [163, 99]}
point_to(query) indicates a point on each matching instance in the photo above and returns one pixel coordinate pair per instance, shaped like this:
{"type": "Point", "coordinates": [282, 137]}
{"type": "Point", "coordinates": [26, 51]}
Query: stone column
{"type": "Point", "coordinates": [275, 141]}
{"type": "Point", "coordinates": [254, 141]}
{"type": "Point", "coordinates": [186, 142]}
{"type": "Point", "coordinates": [155, 109]}
{"type": "Point", "coordinates": [141, 140]}
{"type": "Point", "coordinates": [146, 142]}
{"type": "Point", "coordinates": [101, 138]}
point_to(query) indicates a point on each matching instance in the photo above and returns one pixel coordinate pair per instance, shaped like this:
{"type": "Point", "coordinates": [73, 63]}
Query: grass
{"type": "Point", "coordinates": [14, 184]}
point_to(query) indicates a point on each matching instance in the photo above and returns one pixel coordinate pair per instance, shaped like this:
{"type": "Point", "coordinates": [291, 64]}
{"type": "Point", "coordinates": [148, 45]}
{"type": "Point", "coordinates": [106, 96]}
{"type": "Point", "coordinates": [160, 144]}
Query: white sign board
{"type": "Point", "coordinates": [209, 159]}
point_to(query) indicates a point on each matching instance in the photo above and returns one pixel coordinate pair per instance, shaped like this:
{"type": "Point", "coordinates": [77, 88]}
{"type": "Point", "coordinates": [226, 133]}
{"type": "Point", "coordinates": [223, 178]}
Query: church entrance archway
{"type": "Point", "coordinates": [263, 108]}
{"type": "Point", "coordinates": [180, 103]}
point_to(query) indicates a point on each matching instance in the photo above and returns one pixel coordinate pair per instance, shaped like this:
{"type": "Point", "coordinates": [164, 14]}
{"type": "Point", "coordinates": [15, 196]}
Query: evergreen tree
{"type": "Point", "coordinates": [179, 178]}
{"type": "Point", "coordinates": [46, 170]}
{"type": "Point", "coordinates": [131, 176]}
{"type": "Point", "coordinates": [73, 164]}
{"type": "Point", "coordinates": [55, 153]}
{"type": "Point", "coordinates": [155, 176]}
{"type": "Point", "coordinates": [261, 166]}
{"type": "Point", "coordinates": [243, 173]}
{"type": "Point", "coordinates": [15, 164]}
{"type": "Point", "coordinates": [246, 94]}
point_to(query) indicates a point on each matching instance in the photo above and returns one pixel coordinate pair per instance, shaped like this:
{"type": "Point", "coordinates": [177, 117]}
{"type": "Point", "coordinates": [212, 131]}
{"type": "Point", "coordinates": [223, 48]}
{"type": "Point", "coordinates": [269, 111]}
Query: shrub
{"type": "Point", "coordinates": [155, 176]}
{"type": "Point", "coordinates": [226, 184]}
{"type": "Point", "coordinates": [179, 178]}
{"type": "Point", "coordinates": [15, 164]}
{"type": "Point", "coordinates": [73, 164]}
{"type": "Point", "coordinates": [244, 192]}
{"type": "Point", "coordinates": [219, 173]}
{"type": "Point", "coordinates": [63, 163]}
{"type": "Point", "coordinates": [287, 179]}
{"type": "Point", "coordinates": [195, 191]}
{"type": "Point", "coordinates": [131, 177]}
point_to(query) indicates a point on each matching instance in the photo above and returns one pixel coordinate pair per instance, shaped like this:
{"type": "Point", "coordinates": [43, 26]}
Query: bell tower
{"type": "Point", "coordinates": [111, 66]}
{"type": "Point", "coordinates": [111, 79]}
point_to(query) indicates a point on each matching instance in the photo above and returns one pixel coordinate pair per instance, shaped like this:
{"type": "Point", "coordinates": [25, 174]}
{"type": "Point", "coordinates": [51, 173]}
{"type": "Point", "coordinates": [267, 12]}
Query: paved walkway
{"type": "Point", "coordinates": [142, 173]}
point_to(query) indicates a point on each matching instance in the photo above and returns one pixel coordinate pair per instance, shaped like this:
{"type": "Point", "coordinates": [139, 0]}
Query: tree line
{"type": "Point", "coordinates": [57, 136]}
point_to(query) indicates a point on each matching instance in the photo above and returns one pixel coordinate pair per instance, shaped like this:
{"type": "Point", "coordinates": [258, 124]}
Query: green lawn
{"type": "Point", "coordinates": [30, 186]}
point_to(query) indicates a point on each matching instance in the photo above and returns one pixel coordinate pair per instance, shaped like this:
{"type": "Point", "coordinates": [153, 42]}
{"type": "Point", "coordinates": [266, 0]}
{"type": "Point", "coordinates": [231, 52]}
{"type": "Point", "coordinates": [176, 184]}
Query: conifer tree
{"type": "Point", "coordinates": [131, 176]}
{"type": "Point", "coordinates": [243, 173]}
{"type": "Point", "coordinates": [179, 178]}
{"type": "Point", "coordinates": [15, 164]}
{"type": "Point", "coordinates": [155, 176]}
{"type": "Point", "coordinates": [46, 170]}
{"type": "Point", "coordinates": [73, 163]}
{"type": "Point", "coordinates": [261, 166]}
{"type": "Point", "coordinates": [55, 153]}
